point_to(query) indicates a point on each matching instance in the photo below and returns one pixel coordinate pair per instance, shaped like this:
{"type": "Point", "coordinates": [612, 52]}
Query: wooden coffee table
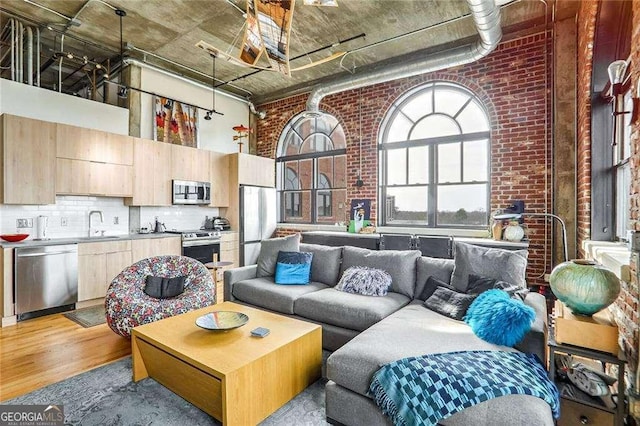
{"type": "Point", "coordinates": [232, 376]}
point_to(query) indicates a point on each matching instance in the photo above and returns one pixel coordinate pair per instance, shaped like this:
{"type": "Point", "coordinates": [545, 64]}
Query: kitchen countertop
{"type": "Point", "coordinates": [75, 240]}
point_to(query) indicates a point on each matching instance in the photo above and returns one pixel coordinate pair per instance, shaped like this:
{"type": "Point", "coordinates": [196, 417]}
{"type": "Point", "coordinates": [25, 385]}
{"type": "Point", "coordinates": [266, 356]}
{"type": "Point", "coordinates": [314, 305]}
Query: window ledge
{"type": "Point", "coordinates": [614, 256]}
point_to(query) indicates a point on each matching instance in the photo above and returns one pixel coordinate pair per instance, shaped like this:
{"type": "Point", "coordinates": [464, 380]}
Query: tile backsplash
{"type": "Point", "coordinates": [176, 217]}
{"type": "Point", "coordinates": [69, 217]}
{"type": "Point", "coordinates": [74, 210]}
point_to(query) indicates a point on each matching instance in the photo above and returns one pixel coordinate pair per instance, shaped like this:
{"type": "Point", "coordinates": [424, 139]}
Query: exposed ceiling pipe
{"type": "Point", "coordinates": [486, 16]}
{"type": "Point", "coordinates": [38, 57]}
{"type": "Point", "coordinates": [13, 49]}
{"type": "Point", "coordinates": [20, 47]}
{"type": "Point", "coordinates": [29, 56]}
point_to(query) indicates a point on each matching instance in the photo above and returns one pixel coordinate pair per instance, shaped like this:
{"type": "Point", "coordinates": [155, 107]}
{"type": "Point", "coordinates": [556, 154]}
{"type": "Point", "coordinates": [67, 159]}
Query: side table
{"type": "Point", "coordinates": [587, 411]}
{"type": "Point", "coordinates": [214, 266]}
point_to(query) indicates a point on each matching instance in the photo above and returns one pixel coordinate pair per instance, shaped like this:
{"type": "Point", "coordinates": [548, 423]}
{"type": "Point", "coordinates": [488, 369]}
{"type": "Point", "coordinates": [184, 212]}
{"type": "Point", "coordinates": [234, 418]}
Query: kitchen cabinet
{"type": "Point", "coordinates": [98, 264]}
{"type": "Point", "coordinates": [78, 143]}
{"type": "Point", "coordinates": [149, 247]}
{"type": "Point", "coordinates": [28, 160]}
{"type": "Point", "coordinates": [6, 273]}
{"type": "Point", "coordinates": [254, 170]}
{"type": "Point", "coordinates": [229, 252]}
{"type": "Point", "coordinates": [189, 163]}
{"type": "Point", "coordinates": [219, 178]}
{"type": "Point", "coordinates": [79, 177]}
{"type": "Point", "coordinates": [151, 174]}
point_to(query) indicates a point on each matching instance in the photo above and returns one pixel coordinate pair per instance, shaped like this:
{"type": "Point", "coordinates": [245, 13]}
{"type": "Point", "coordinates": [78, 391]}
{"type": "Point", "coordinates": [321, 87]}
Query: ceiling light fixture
{"type": "Point", "coordinates": [121, 13]}
{"type": "Point", "coordinates": [122, 92]}
{"type": "Point", "coordinates": [169, 104]}
{"type": "Point", "coordinates": [617, 70]}
{"type": "Point", "coordinates": [209, 113]}
{"type": "Point", "coordinates": [207, 116]}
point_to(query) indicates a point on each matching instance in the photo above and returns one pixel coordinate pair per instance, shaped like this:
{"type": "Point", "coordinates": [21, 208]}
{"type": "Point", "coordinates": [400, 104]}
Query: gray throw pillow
{"type": "Point", "coordinates": [269, 250]}
{"type": "Point", "coordinates": [426, 267]}
{"type": "Point", "coordinates": [365, 281]}
{"type": "Point", "coordinates": [430, 287]}
{"type": "Point", "coordinates": [325, 266]}
{"type": "Point", "coordinates": [400, 264]}
{"type": "Point", "coordinates": [449, 303]}
{"type": "Point", "coordinates": [503, 265]}
{"type": "Point", "coordinates": [478, 285]}
{"type": "Point", "coordinates": [163, 287]}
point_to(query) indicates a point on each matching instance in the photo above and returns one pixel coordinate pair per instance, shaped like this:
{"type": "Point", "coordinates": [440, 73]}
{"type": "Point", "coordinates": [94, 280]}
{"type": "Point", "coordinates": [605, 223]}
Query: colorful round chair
{"type": "Point", "coordinates": [127, 305]}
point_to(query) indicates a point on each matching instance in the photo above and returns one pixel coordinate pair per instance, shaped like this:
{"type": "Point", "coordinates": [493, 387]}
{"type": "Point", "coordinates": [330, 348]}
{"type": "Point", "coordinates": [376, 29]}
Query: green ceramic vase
{"type": "Point", "coordinates": [584, 286]}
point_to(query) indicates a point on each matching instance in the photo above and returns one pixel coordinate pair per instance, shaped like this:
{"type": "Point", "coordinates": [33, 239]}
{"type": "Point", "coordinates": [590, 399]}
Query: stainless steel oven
{"type": "Point", "coordinates": [200, 244]}
{"type": "Point", "coordinates": [191, 192]}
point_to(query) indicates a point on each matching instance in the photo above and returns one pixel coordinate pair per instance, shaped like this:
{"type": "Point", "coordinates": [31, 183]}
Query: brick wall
{"type": "Point", "coordinates": [629, 300]}
{"type": "Point", "coordinates": [586, 31]}
{"type": "Point", "coordinates": [514, 85]}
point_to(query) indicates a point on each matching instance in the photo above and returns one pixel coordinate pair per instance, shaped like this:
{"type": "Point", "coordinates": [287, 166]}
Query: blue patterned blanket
{"type": "Point", "coordinates": [426, 389]}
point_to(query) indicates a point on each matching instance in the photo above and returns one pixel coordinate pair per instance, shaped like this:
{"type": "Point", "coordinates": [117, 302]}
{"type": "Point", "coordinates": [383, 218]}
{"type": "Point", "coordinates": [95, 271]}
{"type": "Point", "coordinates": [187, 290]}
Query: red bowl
{"type": "Point", "coordinates": [14, 238]}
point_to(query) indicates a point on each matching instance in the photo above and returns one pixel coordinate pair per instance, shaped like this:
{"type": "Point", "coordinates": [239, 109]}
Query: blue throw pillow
{"type": "Point", "coordinates": [499, 319]}
{"type": "Point", "coordinates": [293, 267]}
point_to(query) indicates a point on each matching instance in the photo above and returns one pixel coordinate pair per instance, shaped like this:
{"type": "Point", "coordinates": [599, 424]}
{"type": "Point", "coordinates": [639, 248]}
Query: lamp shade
{"type": "Point", "coordinates": [616, 71]}
{"type": "Point", "coordinates": [584, 286]}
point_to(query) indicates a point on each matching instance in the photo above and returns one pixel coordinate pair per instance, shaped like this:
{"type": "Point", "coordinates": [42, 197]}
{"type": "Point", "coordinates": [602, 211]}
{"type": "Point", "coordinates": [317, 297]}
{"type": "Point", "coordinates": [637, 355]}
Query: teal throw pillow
{"type": "Point", "coordinates": [293, 267]}
{"type": "Point", "coordinates": [497, 318]}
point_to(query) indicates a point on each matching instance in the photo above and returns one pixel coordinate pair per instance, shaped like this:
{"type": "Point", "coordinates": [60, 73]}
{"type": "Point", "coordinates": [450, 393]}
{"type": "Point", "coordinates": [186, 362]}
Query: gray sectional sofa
{"type": "Point", "coordinates": [365, 332]}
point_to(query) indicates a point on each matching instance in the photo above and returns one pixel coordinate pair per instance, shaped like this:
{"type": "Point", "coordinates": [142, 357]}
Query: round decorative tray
{"type": "Point", "coordinates": [222, 320]}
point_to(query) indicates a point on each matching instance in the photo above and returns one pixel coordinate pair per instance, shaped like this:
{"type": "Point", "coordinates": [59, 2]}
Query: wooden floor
{"type": "Point", "coordinates": [41, 351]}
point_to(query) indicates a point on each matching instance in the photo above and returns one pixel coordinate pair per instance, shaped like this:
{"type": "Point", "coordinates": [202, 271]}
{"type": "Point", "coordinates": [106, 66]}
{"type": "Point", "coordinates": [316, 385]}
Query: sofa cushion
{"type": "Point", "coordinates": [426, 267]}
{"type": "Point", "coordinates": [352, 311]}
{"type": "Point", "coordinates": [269, 250]}
{"type": "Point", "coordinates": [325, 266]}
{"type": "Point", "coordinates": [400, 264]}
{"type": "Point", "coordinates": [504, 265]}
{"type": "Point", "coordinates": [413, 330]}
{"type": "Point", "coordinates": [265, 293]}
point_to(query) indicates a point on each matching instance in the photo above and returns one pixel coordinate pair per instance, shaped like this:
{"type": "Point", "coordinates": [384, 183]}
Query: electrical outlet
{"type": "Point", "coordinates": [24, 223]}
{"type": "Point", "coordinates": [64, 221]}
{"type": "Point", "coordinates": [116, 220]}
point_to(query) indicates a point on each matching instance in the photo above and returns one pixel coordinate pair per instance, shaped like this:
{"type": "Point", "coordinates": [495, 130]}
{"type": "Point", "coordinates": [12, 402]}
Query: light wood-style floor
{"type": "Point", "coordinates": [41, 351]}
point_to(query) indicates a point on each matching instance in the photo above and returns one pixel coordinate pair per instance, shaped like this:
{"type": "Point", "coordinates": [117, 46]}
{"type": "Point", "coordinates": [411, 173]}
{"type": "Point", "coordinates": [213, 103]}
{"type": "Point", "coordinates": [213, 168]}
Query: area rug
{"type": "Point", "coordinates": [107, 396]}
{"type": "Point", "coordinates": [88, 317]}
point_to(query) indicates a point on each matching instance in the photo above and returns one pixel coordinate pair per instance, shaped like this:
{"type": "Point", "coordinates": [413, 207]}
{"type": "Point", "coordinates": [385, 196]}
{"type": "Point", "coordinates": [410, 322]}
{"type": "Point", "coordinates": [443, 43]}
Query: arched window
{"type": "Point", "coordinates": [312, 169]}
{"type": "Point", "coordinates": [434, 159]}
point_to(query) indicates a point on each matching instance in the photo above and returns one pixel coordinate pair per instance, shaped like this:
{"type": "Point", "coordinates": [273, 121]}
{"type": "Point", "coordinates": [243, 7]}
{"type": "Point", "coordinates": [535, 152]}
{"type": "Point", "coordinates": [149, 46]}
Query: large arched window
{"type": "Point", "coordinates": [434, 159]}
{"type": "Point", "coordinates": [312, 169]}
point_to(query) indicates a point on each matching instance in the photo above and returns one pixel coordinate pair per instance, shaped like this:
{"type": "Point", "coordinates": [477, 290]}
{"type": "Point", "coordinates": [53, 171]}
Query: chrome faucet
{"type": "Point", "coordinates": [101, 218]}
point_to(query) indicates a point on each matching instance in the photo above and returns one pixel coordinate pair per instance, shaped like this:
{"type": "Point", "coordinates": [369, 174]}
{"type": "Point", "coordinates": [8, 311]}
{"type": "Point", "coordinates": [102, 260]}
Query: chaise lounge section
{"type": "Point", "coordinates": [364, 332]}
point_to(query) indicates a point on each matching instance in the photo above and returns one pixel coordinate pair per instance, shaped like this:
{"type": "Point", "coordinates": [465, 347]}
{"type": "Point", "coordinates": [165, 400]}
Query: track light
{"type": "Point", "coordinates": [207, 116]}
{"type": "Point", "coordinates": [169, 104]}
{"type": "Point", "coordinates": [98, 66]}
{"type": "Point", "coordinates": [122, 92]}
{"type": "Point", "coordinates": [70, 55]}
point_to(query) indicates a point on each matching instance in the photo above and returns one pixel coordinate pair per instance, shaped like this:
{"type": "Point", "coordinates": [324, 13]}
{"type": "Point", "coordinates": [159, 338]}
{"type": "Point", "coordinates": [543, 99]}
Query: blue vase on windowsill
{"type": "Point", "coordinates": [584, 286]}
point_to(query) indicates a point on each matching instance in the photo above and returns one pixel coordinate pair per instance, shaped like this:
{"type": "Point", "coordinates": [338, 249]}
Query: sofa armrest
{"type": "Point", "coordinates": [232, 276]}
{"type": "Point", "coordinates": [535, 341]}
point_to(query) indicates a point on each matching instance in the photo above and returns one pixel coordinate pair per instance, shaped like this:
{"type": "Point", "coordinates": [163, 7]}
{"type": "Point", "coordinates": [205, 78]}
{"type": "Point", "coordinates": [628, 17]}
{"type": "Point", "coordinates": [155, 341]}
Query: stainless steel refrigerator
{"type": "Point", "coordinates": [257, 220]}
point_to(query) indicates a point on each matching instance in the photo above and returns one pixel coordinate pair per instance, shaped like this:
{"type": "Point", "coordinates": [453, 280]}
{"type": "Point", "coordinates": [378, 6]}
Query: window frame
{"type": "Point", "coordinates": [432, 185]}
{"type": "Point", "coordinates": [315, 190]}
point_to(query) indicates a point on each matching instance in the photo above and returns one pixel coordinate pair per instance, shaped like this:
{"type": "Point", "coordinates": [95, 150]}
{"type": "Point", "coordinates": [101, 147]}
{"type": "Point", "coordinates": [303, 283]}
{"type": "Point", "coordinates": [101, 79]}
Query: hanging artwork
{"type": "Point", "coordinates": [175, 122]}
{"type": "Point", "coordinates": [274, 18]}
{"type": "Point", "coordinates": [360, 215]}
{"type": "Point", "coordinates": [252, 46]}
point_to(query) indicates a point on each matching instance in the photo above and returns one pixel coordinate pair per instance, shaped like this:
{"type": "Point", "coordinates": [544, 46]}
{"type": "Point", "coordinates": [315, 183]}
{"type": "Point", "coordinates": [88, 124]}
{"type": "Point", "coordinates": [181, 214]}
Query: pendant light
{"type": "Point", "coordinates": [122, 92]}
{"type": "Point", "coordinates": [213, 89]}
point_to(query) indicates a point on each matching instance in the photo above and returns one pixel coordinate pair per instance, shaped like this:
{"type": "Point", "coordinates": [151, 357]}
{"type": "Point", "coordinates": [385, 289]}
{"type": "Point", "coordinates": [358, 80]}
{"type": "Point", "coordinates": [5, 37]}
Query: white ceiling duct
{"type": "Point", "coordinates": [486, 16]}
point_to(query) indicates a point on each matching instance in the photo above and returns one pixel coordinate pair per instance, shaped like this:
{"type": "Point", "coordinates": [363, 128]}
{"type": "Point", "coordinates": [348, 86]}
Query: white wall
{"type": "Point", "coordinates": [216, 134]}
{"type": "Point", "coordinates": [177, 217]}
{"type": "Point", "coordinates": [42, 104]}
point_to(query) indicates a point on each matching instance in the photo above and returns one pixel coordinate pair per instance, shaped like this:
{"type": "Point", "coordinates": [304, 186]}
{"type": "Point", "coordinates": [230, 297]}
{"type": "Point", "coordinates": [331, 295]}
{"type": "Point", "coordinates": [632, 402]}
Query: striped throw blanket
{"type": "Point", "coordinates": [426, 389]}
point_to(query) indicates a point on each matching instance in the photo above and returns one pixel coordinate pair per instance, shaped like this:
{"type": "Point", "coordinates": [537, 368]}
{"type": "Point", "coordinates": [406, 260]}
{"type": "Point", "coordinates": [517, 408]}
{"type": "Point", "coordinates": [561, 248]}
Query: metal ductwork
{"type": "Point", "coordinates": [24, 50]}
{"type": "Point", "coordinates": [486, 16]}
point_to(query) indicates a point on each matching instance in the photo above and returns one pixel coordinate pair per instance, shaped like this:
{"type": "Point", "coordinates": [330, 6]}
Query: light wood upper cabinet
{"type": "Point", "coordinates": [151, 173]}
{"type": "Point", "coordinates": [149, 247]}
{"type": "Point", "coordinates": [78, 143]}
{"type": "Point", "coordinates": [73, 176]}
{"type": "Point", "coordinates": [189, 163]}
{"type": "Point", "coordinates": [219, 178]}
{"type": "Point", "coordinates": [79, 177]}
{"type": "Point", "coordinates": [254, 170]}
{"type": "Point", "coordinates": [28, 160]}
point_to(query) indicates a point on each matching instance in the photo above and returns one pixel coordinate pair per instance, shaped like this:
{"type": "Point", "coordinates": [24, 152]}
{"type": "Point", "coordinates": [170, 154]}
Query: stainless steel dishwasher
{"type": "Point", "coordinates": [46, 280]}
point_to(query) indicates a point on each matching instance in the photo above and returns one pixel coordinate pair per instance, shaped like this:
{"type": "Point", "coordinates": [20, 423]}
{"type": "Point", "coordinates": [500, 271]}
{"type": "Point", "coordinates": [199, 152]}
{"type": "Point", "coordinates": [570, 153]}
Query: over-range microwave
{"type": "Point", "coordinates": [191, 192]}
